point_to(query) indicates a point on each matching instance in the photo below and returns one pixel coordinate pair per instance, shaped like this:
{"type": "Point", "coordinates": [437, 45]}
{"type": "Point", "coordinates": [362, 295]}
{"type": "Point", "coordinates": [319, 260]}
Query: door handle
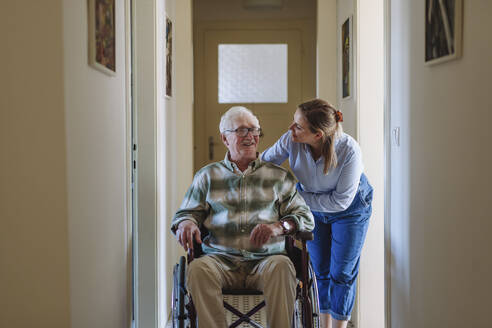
{"type": "Point", "coordinates": [211, 144]}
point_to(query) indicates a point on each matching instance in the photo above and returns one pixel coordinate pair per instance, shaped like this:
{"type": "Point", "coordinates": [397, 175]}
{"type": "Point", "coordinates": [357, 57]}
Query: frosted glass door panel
{"type": "Point", "coordinates": [252, 73]}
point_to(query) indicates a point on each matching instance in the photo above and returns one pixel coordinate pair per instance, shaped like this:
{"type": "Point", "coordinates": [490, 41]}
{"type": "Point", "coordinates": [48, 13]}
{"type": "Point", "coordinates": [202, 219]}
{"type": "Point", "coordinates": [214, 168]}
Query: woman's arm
{"type": "Point", "coordinates": [279, 152]}
{"type": "Point", "coordinates": [342, 196]}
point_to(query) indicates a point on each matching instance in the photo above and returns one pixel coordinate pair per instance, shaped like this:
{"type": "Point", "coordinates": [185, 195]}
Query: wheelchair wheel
{"type": "Point", "coordinates": [179, 315]}
{"type": "Point", "coordinates": [306, 311]}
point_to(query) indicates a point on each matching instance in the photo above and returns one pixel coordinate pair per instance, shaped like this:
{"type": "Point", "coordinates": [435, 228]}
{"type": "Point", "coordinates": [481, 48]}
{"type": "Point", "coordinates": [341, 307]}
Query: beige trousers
{"type": "Point", "coordinates": [274, 275]}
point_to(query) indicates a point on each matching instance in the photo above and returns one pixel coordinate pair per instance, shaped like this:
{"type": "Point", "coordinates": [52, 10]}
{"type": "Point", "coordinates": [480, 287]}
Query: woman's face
{"type": "Point", "coordinates": [301, 131]}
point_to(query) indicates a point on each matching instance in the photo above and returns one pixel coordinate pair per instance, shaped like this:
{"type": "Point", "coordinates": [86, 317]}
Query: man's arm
{"type": "Point", "coordinates": [294, 208]}
{"type": "Point", "coordinates": [294, 215]}
{"type": "Point", "coordinates": [263, 232]}
{"type": "Point", "coordinates": [193, 211]}
{"type": "Point", "coordinates": [186, 231]}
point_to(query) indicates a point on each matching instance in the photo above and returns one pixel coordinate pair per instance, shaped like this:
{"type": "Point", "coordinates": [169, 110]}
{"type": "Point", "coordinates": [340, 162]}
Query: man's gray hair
{"type": "Point", "coordinates": [232, 114]}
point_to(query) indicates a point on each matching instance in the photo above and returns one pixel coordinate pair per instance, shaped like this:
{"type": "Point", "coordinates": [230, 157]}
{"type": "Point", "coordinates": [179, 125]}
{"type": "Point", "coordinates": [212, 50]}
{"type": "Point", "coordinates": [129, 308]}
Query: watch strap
{"type": "Point", "coordinates": [285, 227]}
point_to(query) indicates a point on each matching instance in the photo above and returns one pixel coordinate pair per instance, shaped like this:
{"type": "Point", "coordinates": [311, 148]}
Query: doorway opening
{"type": "Point", "coordinates": [317, 26]}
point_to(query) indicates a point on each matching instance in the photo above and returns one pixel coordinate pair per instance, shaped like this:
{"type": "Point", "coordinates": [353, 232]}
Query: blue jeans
{"type": "Point", "coordinates": [335, 252]}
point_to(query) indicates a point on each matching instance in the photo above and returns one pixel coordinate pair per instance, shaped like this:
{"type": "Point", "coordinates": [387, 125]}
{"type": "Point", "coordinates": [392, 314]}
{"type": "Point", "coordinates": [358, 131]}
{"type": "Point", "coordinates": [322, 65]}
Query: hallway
{"type": "Point", "coordinates": [66, 193]}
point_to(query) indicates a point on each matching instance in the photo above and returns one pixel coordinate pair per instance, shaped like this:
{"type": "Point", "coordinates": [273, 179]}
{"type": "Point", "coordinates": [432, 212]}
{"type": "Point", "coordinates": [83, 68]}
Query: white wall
{"type": "Point", "coordinates": [95, 116]}
{"type": "Point", "coordinates": [370, 124]}
{"type": "Point", "coordinates": [441, 260]}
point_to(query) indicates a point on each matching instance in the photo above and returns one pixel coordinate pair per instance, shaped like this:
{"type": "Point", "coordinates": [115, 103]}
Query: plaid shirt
{"type": "Point", "coordinates": [230, 203]}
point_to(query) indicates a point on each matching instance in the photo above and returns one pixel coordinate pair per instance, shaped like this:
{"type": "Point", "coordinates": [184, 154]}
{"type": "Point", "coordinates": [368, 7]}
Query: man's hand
{"type": "Point", "coordinates": [263, 232]}
{"type": "Point", "coordinates": [186, 231]}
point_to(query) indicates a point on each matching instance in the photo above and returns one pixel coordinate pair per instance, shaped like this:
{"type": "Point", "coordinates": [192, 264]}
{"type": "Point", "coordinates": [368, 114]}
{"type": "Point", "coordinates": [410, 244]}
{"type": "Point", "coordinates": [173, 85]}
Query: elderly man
{"type": "Point", "coordinates": [247, 206]}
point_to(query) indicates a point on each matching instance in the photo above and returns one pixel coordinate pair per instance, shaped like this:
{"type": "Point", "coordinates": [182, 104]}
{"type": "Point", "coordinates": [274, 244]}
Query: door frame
{"type": "Point", "coordinates": [144, 85]}
{"type": "Point", "coordinates": [387, 163]}
{"type": "Point", "coordinates": [129, 156]}
{"type": "Point", "coordinates": [155, 120]}
{"type": "Point", "coordinates": [371, 125]}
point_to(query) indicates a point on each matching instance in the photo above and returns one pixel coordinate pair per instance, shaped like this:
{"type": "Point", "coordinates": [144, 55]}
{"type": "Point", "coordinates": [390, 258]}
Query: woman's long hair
{"type": "Point", "coordinates": [323, 117]}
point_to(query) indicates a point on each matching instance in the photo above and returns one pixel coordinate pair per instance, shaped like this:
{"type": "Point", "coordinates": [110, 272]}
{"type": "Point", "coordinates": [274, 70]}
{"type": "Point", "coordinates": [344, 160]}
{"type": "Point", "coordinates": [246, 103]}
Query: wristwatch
{"type": "Point", "coordinates": [287, 228]}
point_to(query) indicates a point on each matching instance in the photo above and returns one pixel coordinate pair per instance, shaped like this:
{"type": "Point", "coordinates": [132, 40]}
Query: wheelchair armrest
{"type": "Point", "coordinates": [296, 248]}
{"type": "Point", "coordinates": [196, 252]}
{"type": "Point", "coordinates": [304, 235]}
{"type": "Point", "coordinates": [197, 248]}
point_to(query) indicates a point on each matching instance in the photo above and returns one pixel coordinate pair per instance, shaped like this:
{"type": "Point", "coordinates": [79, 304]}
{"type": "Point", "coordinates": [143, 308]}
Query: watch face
{"type": "Point", "coordinates": [285, 226]}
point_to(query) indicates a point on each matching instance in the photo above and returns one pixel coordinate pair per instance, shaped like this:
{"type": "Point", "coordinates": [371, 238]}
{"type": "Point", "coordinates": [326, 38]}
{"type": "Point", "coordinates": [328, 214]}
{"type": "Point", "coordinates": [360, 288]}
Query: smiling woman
{"type": "Point", "coordinates": [328, 165]}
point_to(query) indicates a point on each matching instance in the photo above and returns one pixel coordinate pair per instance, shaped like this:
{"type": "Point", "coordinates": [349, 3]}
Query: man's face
{"type": "Point", "coordinates": [241, 147]}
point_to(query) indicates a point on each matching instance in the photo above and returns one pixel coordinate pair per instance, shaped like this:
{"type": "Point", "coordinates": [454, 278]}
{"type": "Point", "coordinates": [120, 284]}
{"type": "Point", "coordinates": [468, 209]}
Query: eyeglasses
{"type": "Point", "coordinates": [243, 132]}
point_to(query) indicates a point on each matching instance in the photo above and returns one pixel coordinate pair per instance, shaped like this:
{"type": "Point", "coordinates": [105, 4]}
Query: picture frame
{"type": "Point", "coordinates": [169, 57]}
{"type": "Point", "coordinates": [443, 30]}
{"type": "Point", "coordinates": [102, 35]}
{"type": "Point", "coordinates": [346, 48]}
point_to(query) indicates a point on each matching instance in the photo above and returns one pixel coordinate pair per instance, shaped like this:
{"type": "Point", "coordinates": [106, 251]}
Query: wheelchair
{"type": "Point", "coordinates": [306, 308]}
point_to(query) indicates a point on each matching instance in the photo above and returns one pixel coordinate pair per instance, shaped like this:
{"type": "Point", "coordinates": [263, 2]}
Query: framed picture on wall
{"type": "Point", "coordinates": [102, 45]}
{"type": "Point", "coordinates": [346, 56]}
{"type": "Point", "coordinates": [169, 57]}
{"type": "Point", "coordinates": [443, 27]}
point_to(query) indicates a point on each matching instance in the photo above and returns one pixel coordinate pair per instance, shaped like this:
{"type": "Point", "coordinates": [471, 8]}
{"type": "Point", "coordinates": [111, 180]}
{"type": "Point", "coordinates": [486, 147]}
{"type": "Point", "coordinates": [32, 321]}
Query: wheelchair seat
{"type": "Point", "coordinates": [241, 292]}
{"type": "Point", "coordinates": [306, 309]}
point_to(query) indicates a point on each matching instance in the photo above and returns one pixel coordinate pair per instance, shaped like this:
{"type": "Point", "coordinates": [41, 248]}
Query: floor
{"type": "Point", "coordinates": [244, 304]}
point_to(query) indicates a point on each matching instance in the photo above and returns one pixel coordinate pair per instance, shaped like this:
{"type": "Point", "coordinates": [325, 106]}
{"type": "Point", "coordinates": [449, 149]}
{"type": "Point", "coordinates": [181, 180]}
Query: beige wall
{"type": "Point", "coordinates": [442, 260]}
{"type": "Point", "coordinates": [233, 10]}
{"type": "Point", "coordinates": [326, 51]}
{"type": "Point", "coordinates": [34, 279]}
{"type": "Point", "coordinates": [63, 191]}
{"type": "Point", "coordinates": [95, 113]}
